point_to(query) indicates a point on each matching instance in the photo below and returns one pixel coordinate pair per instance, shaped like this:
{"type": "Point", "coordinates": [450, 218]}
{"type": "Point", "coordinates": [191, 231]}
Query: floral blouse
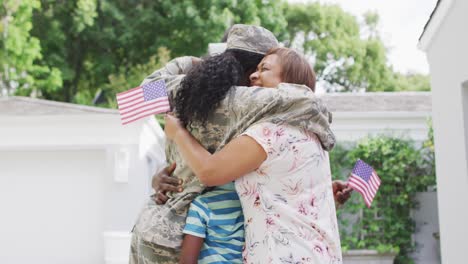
{"type": "Point", "coordinates": [287, 202]}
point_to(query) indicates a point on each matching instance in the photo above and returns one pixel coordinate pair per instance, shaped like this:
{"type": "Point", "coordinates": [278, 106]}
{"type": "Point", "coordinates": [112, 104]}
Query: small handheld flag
{"type": "Point", "coordinates": [364, 180]}
{"type": "Point", "coordinates": [142, 101]}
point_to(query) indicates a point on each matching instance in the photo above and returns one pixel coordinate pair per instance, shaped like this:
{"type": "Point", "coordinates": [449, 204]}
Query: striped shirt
{"type": "Point", "coordinates": [217, 217]}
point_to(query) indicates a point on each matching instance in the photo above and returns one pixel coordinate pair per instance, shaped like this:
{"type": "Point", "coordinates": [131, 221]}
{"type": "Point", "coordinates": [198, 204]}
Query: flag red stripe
{"type": "Point", "coordinates": [135, 107]}
{"type": "Point", "coordinates": [127, 102]}
{"type": "Point", "coordinates": [372, 188]}
{"type": "Point", "coordinates": [125, 97]}
{"type": "Point", "coordinates": [362, 192]}
{"type": "Point", "coordinates": [358, 187]}
{"type": "Point", "coordinates": [160, 106]}
{"type": "Point", "coordinates": [361, 184]}
{"type": "Point", "coordinates": [372, 191]}
{"type": "Point", "coordinates": [374, 183]}
{"type": "Point", "coordinates": [131, 97]}
{"type": "Point", "coordinates": [162, 100]}
{"type": "Point", "coordinates": [139, 108]}
{"type": "Point", "coordinates": [143, 114]}
{"type": "Point", "coordinates": [129, 91]}
{"type": "Point", "coordinates": [376, 177]}
{"type": "Point", "coordinates": [145, 110]}
{"type": "Point", "coordinates": [142, 100]}
{"type": "Point", "coordinates": [155, 111]}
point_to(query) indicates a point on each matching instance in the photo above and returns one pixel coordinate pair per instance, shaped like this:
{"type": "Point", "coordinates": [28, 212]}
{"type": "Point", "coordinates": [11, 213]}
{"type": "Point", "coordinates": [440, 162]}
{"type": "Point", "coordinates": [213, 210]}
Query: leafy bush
{"type": "Point", "coordinates": [404, 169]}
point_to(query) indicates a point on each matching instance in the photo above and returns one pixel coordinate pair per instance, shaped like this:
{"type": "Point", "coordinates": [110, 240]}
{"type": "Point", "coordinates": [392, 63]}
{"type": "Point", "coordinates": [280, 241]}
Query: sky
{"type": "Point", "coordinates": [401, 23]}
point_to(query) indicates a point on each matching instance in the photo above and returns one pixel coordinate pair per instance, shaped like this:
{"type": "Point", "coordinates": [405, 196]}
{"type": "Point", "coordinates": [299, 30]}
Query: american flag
{"type": "Point", "coordinates": [364, 180]}
{"type": "Point", "coordinates": [142, 101]}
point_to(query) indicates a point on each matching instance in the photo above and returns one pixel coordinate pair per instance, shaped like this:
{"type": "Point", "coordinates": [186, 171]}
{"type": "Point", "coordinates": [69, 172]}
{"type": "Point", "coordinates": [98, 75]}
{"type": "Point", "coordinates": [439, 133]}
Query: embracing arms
{"type": "Point", "coordinates": [239, 157]}
{"type": "Point", "coordinates": [177, 66]}
{"type": "Point", "coordinates": [164, 181]}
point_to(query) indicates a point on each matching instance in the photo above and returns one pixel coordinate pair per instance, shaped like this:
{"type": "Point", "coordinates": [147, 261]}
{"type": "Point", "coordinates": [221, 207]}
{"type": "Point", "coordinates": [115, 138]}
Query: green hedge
{"type": "Point", "coordinates": [404, 169]}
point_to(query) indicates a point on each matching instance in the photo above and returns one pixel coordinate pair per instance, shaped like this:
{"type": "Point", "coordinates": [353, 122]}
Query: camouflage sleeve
{"type": "Point", "coordinates": [175, 67]}
{"type": "Point", "coordinates": [291, 104]}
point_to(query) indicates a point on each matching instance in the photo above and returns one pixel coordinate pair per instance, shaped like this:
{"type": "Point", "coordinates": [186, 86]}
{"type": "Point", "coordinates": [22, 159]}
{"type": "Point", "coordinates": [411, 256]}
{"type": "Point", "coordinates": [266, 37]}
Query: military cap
{"type": "Point", "coordinates": [251, 38]}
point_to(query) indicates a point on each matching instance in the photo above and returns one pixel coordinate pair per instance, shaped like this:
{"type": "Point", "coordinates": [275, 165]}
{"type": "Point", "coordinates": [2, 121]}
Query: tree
{"type": "Point", "coordinates": [86, 44]}
{"type": "Point", "coordinates": [62, 28]}
{"type": "Point", "coordinates": [90, 40]}
{"type": "Point", "coordinates": [412, 82]}
{"type": "Point", "coordinates": [344, 61]}
{"type": "Point", "coordinates": [22, 70]}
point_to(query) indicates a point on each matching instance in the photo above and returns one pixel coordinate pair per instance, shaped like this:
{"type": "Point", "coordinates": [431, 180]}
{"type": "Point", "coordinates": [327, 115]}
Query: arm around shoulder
{"type": "Point", "coordinates": [239, 157]}
{"type": "Point", "coordinates": [177, 66]}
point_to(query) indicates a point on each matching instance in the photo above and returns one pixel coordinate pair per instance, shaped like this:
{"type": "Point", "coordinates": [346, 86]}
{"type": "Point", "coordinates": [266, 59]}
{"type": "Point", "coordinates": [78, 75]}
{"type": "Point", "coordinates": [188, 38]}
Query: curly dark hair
{"type": "Point", "coordinates": [208, 82]}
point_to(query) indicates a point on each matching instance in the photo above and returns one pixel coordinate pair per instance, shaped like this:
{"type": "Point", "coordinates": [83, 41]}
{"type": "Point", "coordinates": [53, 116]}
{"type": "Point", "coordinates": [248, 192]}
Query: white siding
{"type": "Point", "coordinates": [353, 126]}
{"type": "Point", "coordinates": [55, 205]}
{"type": "Point", "coordinates": [448, 59]}
{"type": "Point", "coordinates": [52, 207]}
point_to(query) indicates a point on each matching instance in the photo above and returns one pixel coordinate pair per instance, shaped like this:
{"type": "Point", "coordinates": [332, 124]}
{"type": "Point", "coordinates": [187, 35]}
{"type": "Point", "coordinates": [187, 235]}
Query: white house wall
{"type": "Point", "coordinates": [352, 126]}
{"type": "Point", "coordinates": [56, 131]}
{"type": "Point", "coordinates": [448, 58]}
{"type": "Point", "coordinates": [56, 204]}
{"type": "Point", "coordinates": [59, 190]}
{"type": "Point", "coordinates": [52, 207]}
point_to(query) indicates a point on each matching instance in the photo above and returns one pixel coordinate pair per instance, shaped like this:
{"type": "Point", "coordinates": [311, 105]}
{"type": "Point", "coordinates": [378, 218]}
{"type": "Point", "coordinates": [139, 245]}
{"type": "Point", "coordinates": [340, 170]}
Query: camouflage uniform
{"type": "Point", "coordinates": [159, 227]}
{"type": "Point", "coordinates": [147, 252]}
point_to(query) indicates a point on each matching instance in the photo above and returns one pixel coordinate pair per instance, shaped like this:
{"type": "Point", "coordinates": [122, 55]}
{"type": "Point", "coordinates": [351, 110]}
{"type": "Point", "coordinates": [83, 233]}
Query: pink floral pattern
{"type": "Point", "coordinates": [288, 202]}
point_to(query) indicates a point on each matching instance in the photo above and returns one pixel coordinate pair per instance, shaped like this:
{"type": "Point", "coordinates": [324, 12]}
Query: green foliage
{"type": "Point", "coordinates": [73, 50]}
{"type": "Point", "coordinates": [340, 164]}
{"type": "Point", "coordinates": [118, 82]}
{"type": "Point", "coordinates": [160, 119]}
{"type": "Point", "coordinates": [428, 154]}
{"type": "Point", "coordinates": [404, 170]}
{"type": "Point", "coordinates": [98, 44]}
{"type": "Point", "coordinates": [372, 20]}
{"type": "Point", "coordinates": [21, 62]}
{"type": "Point", "coordinates": [84, 15]}
{"type": "Point", "coordinates": [412, 82]}
{"type": "Point", "coordinates": [344, 61]}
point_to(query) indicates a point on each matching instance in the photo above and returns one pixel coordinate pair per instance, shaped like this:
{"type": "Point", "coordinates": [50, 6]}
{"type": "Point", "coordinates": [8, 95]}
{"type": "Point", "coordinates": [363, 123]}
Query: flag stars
{"type": "Point", "coordinates": [154, 90]}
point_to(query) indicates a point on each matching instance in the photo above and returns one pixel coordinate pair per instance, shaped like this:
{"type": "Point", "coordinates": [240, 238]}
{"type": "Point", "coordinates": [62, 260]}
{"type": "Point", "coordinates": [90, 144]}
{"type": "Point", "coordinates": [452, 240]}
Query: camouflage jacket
{"type": "Point", "coordinates": [291, 104]}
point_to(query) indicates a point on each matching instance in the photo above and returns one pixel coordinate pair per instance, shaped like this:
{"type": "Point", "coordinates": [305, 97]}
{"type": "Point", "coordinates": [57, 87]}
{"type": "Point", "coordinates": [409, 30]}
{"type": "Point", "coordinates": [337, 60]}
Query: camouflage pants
{"type": "Point", "coordinates": [143, 252]}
